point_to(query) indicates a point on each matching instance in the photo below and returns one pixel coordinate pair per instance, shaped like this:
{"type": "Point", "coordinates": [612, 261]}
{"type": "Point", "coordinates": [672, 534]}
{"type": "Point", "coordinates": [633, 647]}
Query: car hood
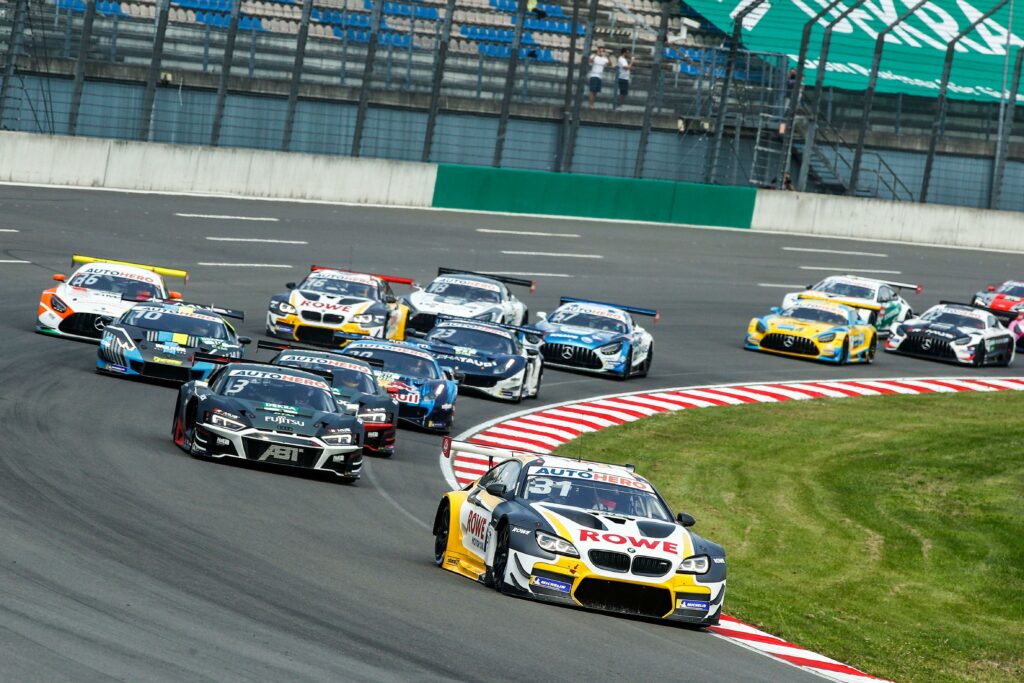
{"type": "Point", "coordinates": [83, 300]}
{"type": "Point", "coordinates": [449, 305]}
{"type": "Point", "coordinates": [471, 361]}
{"type": "Point", "coordinates": [580, 336]}
{"type": "Point", "coordinates": [938, 330]}
{"type": "Point", "coordinates": [797, 327]}
{"type": "Point", "coordinates": [333, 304]}
{"type": "Point", "coordinates": [280, 418]}
{"type": "Point", "coordinates": [1005, 302]}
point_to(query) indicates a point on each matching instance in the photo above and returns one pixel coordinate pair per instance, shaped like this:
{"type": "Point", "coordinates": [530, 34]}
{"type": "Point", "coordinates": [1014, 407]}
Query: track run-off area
{"type": "Point", "coordinates": [121, 558]}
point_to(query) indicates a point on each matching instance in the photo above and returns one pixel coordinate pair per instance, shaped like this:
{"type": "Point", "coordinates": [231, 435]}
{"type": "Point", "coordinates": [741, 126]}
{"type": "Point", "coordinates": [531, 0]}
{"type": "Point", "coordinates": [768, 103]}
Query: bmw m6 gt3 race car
{"type": "Point", "coordinates": [161, 339]}
{"type": "Point", "coordinates": [594, 336]}
{"type": "Point", "coordinates": [424, 390]}
{"type": "Point", "coordinates": [954, 332]}
{"type": "Point", "coordinates": [818, 330]}
{"type": "Point", "coordinates": [502, 361]}
{"type": "Point", "coordinates": [579, 533]}
{"type": "Point", "coordinates": [355, 386]}
{"type": "Point", "coordinates": [97, 293]}
{"type": "Point", "coordinates": [465, 294]}
{"type": "Point", "coordinates": [266, 413]}
{"type": "Point", "coordinates": [332, 304]}
{"type": "Point", "coordinates": [878, 301]}
{"type": "Point", "coordinates": [1005, 300]}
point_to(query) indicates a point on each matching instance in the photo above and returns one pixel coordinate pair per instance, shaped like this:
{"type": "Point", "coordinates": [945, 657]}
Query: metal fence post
{"type": "Point", "coordinates": [364, 85]}
{"type": "Point", "coordinates": [567, 103]}
{"type": "Point", "coordinates": [940, 104]}
{"type": "Point", "coordinates": [723, 103]}
{"type": "Point", "coordinates": [798, 88]}
{"type": "Point", "coordinates": [83, 56]}
{"type": "Point", "coordinates": [163, 8]}
{"type": "Point", "coordinates": [510, 77]}
{"type": "Point", "coordinates": [435, 86]}
{"type": "Point", "coordinates": [13, 43]}
{"type": "Point", "coordinates": [581, 83]}
{"type": "Point", "coordinates": [1003, 144]}
{"type": "Point", "coordinates": [869, 95]}
{"type": "Point", "coordinates": [659, 53]}
{"type": "Point", "coordinates": [225, 73]}
{"type": "Point", "coordinates": [293, 89]}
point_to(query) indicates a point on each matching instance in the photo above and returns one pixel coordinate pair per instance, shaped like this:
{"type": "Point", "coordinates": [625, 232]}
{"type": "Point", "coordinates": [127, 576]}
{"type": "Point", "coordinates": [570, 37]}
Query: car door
{"type": "Point", "coordinates": [476, 513]}
{"type": "Point", "coordinates": [890, 307]}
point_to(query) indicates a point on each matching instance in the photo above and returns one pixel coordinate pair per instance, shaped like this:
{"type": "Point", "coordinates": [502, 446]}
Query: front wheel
{"type": "Point", "coordinates": [979, 357]}
{"type": "Point", "coordinates": [441, 527]}
{"type": "Point", "coordinates": [628, 369]}
{"type": "Point", "coordinates": [500, 567]}
{"type": "Point", "coordinates": [844, 356]}
{"type": "Point", "coordinates": [525, 320]}
{"type": "Point", "coordinates": [873, 349]}
{"type": "Point", "coordinates": [645, 367]}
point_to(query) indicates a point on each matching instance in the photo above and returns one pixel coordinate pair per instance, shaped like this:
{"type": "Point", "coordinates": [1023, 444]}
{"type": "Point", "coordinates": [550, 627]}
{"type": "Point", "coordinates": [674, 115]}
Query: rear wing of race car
{"type": "Point", "coordinates": [223, 312]}
{"type": "Point", "coordinates": [386, 278]}
{"type": "Point", "coordinates": [159, 270]}
{"type": "Point", "coordinates": [199, 356]}
{"type": "Point", "coordinates": [271, 345]}
{"type": "Point", "coordinates": [496, 455]}
{"type": "Point", "coordinates": [532, 284]}
{"type": "Point", "coordinates": [903, 285]}
{"type": "Point", "coordinates": [852, 303]}
{"type": "Point", "coordinates": [629, 309]}
{"type": "Point", "coordinates": [505, 326]}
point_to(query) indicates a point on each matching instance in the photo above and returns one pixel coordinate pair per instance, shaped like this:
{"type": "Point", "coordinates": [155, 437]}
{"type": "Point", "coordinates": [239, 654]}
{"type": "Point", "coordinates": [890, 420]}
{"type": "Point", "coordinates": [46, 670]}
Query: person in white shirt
{"type": "Point", "coordinates": [598, 61]}
{"type": "Point", "coordinates": [625, 66]}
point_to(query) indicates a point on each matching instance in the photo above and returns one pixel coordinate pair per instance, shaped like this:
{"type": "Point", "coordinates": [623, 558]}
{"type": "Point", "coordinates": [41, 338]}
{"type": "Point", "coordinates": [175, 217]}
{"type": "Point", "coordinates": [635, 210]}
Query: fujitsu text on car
{"type": "Point", "coordinates": [501, 361]}
{"type": "Point", "coordinates": [956, 333]}
{"type": "Point", "coordinates": [332, 304]}
{"type": "Point", "coordinates": [465, 294]}
{"type": "Point", "coordinates": [269, 414]}
{"type": "Point", "coordinates": [595, 336]}
{"type": "Point", "coordinates": [878, 302]}
{"type": "Point", "coordinates": [98, 292]}
{"type": "Point", "coordinates": [580, 533]}
{"type": "Point", "coordinates": [355, 386]}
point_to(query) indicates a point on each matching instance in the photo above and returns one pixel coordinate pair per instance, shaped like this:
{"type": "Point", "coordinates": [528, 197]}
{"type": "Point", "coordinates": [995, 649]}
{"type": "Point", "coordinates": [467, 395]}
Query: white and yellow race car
{"type": "Point", "coordinates": [332, 305]}
{"type": "Point", "coordinates": [578, 532]}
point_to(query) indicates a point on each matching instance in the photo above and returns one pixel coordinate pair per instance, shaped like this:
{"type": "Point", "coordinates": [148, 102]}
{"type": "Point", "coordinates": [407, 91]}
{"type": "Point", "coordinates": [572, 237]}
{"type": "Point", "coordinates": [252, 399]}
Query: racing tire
{"type": "Point", "coordinates": [526, 317]}
{"type": "Point", "coordinates": [540, 377]}
{"type": "Point", "coordinates": [646, 367]}
{"type": "Point", "coordinates": [500, 566]}
{"type": "Point", "coordinates": [628, 370]}
{"type": "Point", "coordinates": [979, 358]}
{"type": "Point", "coordinates": [1008, 355]}
{"type": "Point", "coordinates": [441, 527]}
{"type": "Point", "coordinates": [844, 356]}
{"type": "Point", "coordinates": [872, 350]}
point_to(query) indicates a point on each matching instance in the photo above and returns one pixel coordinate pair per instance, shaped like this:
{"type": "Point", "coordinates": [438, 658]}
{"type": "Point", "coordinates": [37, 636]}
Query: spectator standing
{"type": "Point", "coordinates": [598, 62]}
{"type": "Point", "coordinates": [625, 68]}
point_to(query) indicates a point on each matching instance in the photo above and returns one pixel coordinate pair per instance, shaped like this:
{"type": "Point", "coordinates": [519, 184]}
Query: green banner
{"type": "Point", "coordinates": [913, 54]}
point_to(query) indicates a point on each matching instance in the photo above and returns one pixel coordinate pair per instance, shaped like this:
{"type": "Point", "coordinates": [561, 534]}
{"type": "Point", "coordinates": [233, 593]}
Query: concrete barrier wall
{"type": "Point", "coordinates": [118, 164]}
{"type": "Point", "coordinates": [859, 218]}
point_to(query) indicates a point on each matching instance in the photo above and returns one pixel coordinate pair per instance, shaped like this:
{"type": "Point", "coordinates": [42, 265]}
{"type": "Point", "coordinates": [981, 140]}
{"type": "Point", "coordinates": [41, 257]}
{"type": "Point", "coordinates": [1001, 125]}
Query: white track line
{"type": "Point", "coordinates": [255, 239]}
{"type": "Point", "coordinates": [515, 273]}
{"type": "Point", "coordinates": [548, 253]}
{"type": "Point", "coordinates": [772, 284]}
{"type": "Point", "coordinates": [221, 217]}
{"type": "Point", "coordinates": [837, 251]}
{"type": "Point", "coordinates": [851, 270]}
{"type": "Point", "coordinates": [527, 233]}
{"type": "Point", "coordinates": [14, 261]}
{"type": "Point", "coordinates": [9, 230]}
{"type": "Point", "coordinates": [245, 265]}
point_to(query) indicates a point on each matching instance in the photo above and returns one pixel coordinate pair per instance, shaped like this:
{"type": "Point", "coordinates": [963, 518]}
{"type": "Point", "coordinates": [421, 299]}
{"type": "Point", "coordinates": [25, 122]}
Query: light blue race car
{"type": "Point", "coordinates": [599, 337]}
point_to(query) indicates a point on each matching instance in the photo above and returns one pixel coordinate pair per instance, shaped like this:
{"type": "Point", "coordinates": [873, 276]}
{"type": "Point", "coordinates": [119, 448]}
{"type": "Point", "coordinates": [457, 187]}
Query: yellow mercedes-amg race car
{"type": "Point", "coordinates": [819, 330]}
{"type": "Point", "coordinates": [580, 533]}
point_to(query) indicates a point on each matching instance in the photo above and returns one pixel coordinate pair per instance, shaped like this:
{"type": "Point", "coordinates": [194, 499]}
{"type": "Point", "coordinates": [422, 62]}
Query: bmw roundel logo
{"type": "Point", "coordinates": [567, 353]}
{"type": "Point", "coordinates": [630, 550]}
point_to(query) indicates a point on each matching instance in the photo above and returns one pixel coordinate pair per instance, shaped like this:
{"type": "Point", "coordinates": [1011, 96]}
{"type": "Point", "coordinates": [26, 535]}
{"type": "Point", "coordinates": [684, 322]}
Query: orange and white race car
{"type": "Point", "coordinates": [97, 293]}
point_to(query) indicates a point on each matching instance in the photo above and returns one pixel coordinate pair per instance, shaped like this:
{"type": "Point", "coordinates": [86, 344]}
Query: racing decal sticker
{"type": "Point", "coordinates": [588, 474]}
{"type": "Point", "coordinates": [317, 360]}
{"type": "Point", "coordinates": [439, 285]}
{"type": "Point", "coordinates": [550, 584]}
{"type": "Point", "coordinates": [682, 603]}
{"type": "Point", "coordinates": [260, 374]}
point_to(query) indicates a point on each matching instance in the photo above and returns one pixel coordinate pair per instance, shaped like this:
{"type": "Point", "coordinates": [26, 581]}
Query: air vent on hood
{"type": "Point", "coordinates": [655, 529]}
{"type": "Point", "coordinates": [584, 519]}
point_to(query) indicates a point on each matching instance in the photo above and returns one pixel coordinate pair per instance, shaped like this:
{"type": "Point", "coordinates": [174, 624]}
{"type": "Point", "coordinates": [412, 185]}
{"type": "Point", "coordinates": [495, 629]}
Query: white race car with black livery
{"type": "Point", "coordinates": [501, 361]}
{"type": "Point", "coordinates": [956, 333]}
{"type": "Point", "coordinates": [465, 294]}
{"type": "Point", "coordinates": [594, 336]}
{"type": "Point", "coordinates": [878, 302]}
{"type": "Point", "coordinates": [580, 533]}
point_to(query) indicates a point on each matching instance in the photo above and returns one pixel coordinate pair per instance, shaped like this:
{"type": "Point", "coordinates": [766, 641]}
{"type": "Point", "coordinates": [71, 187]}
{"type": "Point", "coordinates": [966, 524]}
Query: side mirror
{"type": "Point", "coordinates": [541, 315]}
{"type": "Point", "coordinates": [776, 310]}
{"type": "Point", "coordinates": [419, 334]}
{"type": "Point", "coordinates": [173, 295]}
{"type": "Point", "coordinates": [990, 288]}
{"type": "Point", "coordinates": [245, 340]}
{"type": "Point", "coordinates": [809, 287]}
{"type": "Point", "coordinates": [496, 489]}
{"type": "Point", "coordinates": [685, 519]}
{"type": "Point", "coordinates": [394, 390]}
{"type": "Point", "coordinates": [289, 285]}
{"type": "Point", "coordinates": [530, 351]}
{"type": "Point", "coordinates": [59, 277]}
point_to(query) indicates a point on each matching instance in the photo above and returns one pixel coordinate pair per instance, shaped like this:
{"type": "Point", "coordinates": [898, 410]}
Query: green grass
{"type": "Point", "coordinates": [885, 532]}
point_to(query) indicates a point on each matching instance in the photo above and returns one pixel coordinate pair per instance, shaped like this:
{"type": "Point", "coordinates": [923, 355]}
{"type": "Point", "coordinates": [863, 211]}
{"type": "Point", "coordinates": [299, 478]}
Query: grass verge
{"type": "Point", "coordinates": [886, 532]}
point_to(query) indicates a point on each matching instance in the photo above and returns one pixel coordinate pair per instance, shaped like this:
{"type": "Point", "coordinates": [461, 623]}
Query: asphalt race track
{"type": "Point", "coordinates": [121, 558]}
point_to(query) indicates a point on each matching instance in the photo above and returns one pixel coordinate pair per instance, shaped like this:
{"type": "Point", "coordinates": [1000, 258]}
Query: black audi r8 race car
{"type": "Point", "coordinates": [354, 383]}
{"type": "Point", "coordinates": [265, 413]}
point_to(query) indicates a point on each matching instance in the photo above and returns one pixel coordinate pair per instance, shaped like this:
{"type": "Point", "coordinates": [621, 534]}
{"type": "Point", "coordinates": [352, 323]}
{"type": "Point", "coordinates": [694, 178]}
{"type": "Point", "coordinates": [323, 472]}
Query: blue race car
{"type": "Point", "coordinates": [595, 336]}
{"type": "Point", "coordinates": [160, 339]}
{"type": "Point", "coordinates": [425, 390]}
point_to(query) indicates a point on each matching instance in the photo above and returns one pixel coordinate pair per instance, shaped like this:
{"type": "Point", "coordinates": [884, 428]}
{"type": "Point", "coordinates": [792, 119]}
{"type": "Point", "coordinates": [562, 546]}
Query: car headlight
{"type": "Point", "coordinates": [489, 316]}
{"type": "Point", "coordinates": [222, 418]}
{"type": "Point", "coordinates": [900, 330]}
{"type": "Point", "coordinates": [556, 544]}
{"type": "Point", "coordinates": [439, 390]}
{"type": "Point", "coordinates": [827, 337]}
{"type": "Point", "coordinates": [611, 349]}
{"type": "Point", "coordinates": [696, 564]}
{"type": "Point", "coordinates": [962, 340]}
{"type": "Point", "coordinates": [377, 415]}
{"type": "Point", "coordinates": [978, 301]}
{"type": "Point", "coordinates": [282, 307]}
{"type": "Point", "coordinates": [56, 304]}
{"type": "Point", "coordinates": [338, 437]}
{"type": "Point", "coordinates": [760, 327]}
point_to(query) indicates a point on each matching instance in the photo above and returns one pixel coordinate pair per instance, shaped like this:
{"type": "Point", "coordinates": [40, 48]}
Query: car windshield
{"type": "Point", "coordinates": [353, 380]}
{"type": "Point", "coordinates": [488, 342]}
{"type": "Point", "coordinates": [1012, 289]}
{"type": "Point", "coordinates": [955, 319]}
{"type": "Point", "coordinates": [115, 284]}
{"type": "Point", "coordinates": [464, 292]}
{"type": "Point", "coordinates": [589, 321]}
{"type": "Point", "coordinates": [598, 496]}
{"type": "Point", "coordinates": [840, 288]}
{"type": "Point", "coordinates": [818, 315]}
{"type": "Point", "coordinates": [203, 325]}
{"type": "Point", "coordinates": [278, 388]}
{"type": "Point", "coordinates": [330, 285]}
{"type": "Point", "coordinates": [399, 363]}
